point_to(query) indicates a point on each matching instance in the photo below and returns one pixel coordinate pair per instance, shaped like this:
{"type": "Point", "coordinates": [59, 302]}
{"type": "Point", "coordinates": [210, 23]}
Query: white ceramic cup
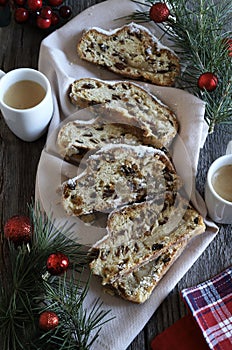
{"type": "Point", "coordinates": [219, 209]}
{"type": "Point", "coordinates": [28, 124]}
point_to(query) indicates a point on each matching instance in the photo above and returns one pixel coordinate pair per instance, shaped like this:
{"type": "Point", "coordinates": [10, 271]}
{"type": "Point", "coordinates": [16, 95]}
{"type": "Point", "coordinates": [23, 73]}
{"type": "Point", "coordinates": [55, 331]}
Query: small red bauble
{"type": "Point", "coordinates": [229, 46]}
{"type": "Point", "coordinates": [43, 23]}
{"type": "Point", "coordinates": [65, 11]}
{"type": "Point", "coordinates": [57, 263]}
{"type": "Point", "coordinates": [48, 320]}
{"type": "Point", "coordinates": [19, 2]}
{"type": "Point", "coordinates": [21, 15]}
{"type": "Point", "coordinates": [55, 2]}
{"type": "Point", "coordinates": [207, 81]}
{"type": "Point", "coordinates": [18, 229]}
{"type": "Point", "coordinates": [46, 12]}
{"type": "Point", "coordinates": [55, 19]}
{"type": "Point", "coordinates": [3, 2]}
{"type": "Point", "coordinates": [159, 12]}
{"type": "Point", "coordinates": [34, 5]}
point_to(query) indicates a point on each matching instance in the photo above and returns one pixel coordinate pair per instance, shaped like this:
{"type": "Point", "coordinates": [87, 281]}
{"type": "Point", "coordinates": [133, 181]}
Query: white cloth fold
{"type": "Point", "coordinates": [58, 60]}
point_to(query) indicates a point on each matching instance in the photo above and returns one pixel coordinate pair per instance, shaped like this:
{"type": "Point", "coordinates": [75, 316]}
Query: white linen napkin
{"type": "Point", "coordinates": [58, 60]}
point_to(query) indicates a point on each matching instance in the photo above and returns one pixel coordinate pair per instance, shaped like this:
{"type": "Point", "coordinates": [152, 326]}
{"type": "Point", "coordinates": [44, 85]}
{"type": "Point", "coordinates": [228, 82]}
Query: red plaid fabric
{"type": "Point", "coordinates": [211, 306]}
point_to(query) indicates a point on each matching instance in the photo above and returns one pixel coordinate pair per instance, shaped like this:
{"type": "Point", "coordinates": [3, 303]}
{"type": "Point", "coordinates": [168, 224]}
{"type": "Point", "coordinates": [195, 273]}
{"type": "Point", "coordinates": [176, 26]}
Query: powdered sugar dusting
{"type": "Point", "coordinates": [140, 150]}
{"type": "Point", "coordinates": [134, 28]}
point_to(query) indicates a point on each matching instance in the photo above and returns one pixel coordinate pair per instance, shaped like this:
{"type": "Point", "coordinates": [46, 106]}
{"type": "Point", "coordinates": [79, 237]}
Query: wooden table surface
{"type": "Point", "coordinates": [19, 47]}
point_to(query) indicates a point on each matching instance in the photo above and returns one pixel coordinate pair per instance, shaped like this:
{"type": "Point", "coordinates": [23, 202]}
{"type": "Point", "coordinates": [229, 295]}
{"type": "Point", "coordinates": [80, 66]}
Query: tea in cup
{"type": "Point", "coordinates": [218, 191]}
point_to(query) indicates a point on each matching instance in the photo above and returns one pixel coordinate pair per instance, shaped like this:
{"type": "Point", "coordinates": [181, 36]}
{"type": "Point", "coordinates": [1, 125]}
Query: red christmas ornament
{"type": "Point", "coordinates": [55, 2]}
{"type": "Point", "coordinates": [46, 12]}
{"type": "Point", "coordinates": [34, 5]}
{"type": "Point", "coordinates": [3, 2]}
{"type": "Point", "coordinates": [18, 229]}
{"type": "Point", "coordinates": [43, 23]}
{"type": "Point", "coordinates": [21, 15]}
{"type": "Point", "coordinates": [207, 81]}
{"type": "Point", "coordinates": [48, 320]}
{"type": "Point", "coordinates": [20, 2]}
{"type": "Point", "coordinates": [65, 11]}
{"type": "Point", "coordinates": [229, 46]}
{"type": "Point", "coordinates": [54, 19]}
{"type": "Point", "coordinates": [159, 12]}
{"type": "Point", "coordinates": [57, 263]}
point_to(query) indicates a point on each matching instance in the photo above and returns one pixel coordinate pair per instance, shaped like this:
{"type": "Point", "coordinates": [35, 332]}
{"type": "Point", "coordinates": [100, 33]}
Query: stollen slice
{"type": "Point", "coordinates": [117, 175]}
{"type": "Point", "coordinates": [138, 285]}
{"type": "Point", "coordinates": [128, 103]}
{"type": "Point", "coordinates": [131, 51]}
{"type": "Point", "coordinates": [76, 138]}
{"type": "Point", "coordinates": [139, 234]}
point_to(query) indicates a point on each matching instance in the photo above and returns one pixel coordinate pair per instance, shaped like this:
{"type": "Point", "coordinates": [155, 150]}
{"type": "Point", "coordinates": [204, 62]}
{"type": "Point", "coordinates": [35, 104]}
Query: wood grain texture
{"type": "Point", "coordinates": [18, 164]}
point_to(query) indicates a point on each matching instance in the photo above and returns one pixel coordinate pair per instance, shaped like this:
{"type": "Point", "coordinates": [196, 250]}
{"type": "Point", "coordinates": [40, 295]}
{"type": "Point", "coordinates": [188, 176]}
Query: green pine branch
{"type": "Point", "coordinates": [24, 293]}
{"type": "Point", "coordinates": [79, 326]}
{"type": "Point", "coordinates": [199, 30]}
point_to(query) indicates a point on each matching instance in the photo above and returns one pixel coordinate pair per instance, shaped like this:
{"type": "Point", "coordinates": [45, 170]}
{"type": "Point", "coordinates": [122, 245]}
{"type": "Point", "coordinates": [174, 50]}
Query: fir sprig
{"type": "Point", "coordinates": [24, 293]}
{"type": "Point", "coordinates": [200, 31]}
{"type": "Point", "coordinates": [79, 325]}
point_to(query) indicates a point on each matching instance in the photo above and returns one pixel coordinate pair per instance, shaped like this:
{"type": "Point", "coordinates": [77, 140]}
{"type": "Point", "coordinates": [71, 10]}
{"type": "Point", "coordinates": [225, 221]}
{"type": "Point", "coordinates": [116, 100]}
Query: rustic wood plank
{"type": "Point", "coordinates": [18, 163]}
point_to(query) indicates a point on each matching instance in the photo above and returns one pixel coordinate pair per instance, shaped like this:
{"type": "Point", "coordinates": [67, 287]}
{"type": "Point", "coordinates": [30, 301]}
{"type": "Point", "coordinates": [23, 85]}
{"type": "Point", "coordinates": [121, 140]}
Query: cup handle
{"type": "Point", "coordinates": [2, 73]}
{"type": "Point", "coordinates": [229, 148]}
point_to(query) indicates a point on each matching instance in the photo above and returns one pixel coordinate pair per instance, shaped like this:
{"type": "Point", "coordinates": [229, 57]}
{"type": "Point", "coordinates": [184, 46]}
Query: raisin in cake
{"type": "Point", "coordinates": [117, 175]}
{"type": "Point", "coordinates": [131, 51]}
{"type": "Point", "coordinates": [122, 252]}
{"type": "Point", "coordinates": [128, 103]}
{"type": "Point", "coordinates": [76, 138]}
